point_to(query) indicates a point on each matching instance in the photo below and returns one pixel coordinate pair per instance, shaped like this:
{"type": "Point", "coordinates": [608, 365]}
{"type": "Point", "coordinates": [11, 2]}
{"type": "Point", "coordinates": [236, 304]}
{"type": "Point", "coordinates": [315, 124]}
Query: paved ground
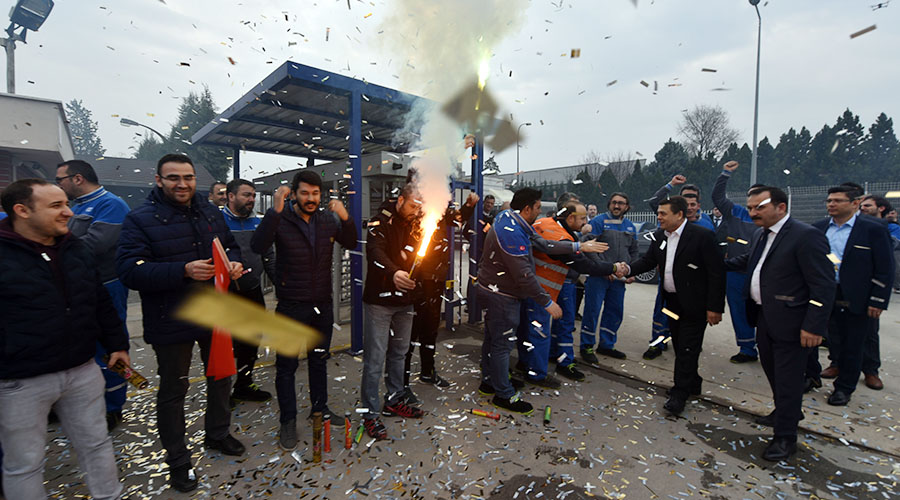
{"type": "Point", "coordinates": [607, 436]}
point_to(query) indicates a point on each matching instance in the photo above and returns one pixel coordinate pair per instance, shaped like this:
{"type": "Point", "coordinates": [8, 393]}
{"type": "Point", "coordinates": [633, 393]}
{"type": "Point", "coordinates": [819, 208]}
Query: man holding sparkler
{"type": "Point", "coordinates": [390, 253]}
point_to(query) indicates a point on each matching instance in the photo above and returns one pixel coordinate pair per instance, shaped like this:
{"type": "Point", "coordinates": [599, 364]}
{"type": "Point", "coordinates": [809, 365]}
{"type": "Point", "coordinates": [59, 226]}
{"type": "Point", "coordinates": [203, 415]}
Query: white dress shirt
{"type": "Point", "coordinates": [671, 245]}
{"type": "Point", "coordinates": [754, 279]}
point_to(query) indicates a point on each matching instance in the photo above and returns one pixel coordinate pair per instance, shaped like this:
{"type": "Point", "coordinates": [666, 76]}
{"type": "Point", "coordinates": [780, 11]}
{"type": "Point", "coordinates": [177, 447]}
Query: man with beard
{"type": "Point", "coordinates": [242, 222]}
{"type": "Point", "coordinates": [304, 239]}
{"type": "Point", "coordinates": [165, 246]}
{"type": "Point", "coordinates": [608, 292]}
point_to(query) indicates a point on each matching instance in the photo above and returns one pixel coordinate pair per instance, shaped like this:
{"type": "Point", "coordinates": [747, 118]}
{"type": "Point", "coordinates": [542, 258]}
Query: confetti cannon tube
{"type": "Point", "coordinates": [128, 373]}
{"type": "Point", "coordinates": [547, 412]}
{"type": "Point", "coordinates": [317, 437]}
{"type": "Point", "coordinates": [482, 413]}
{"type": "Point", "coordinates": [328, 436]}
{"type": "Point", "coordinates": [348, 441]}
{"type": "Point", "coordinates": [359, 433]}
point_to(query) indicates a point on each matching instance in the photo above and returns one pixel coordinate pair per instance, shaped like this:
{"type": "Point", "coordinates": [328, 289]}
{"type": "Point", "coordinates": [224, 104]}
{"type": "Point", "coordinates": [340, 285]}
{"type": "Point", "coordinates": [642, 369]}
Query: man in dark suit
{"type": "Point", "coordinates": [693, 278]}
{"type": "Point", "coordinates": [789, 295]}
{"type": "Point", "coordinates": [861, 251]}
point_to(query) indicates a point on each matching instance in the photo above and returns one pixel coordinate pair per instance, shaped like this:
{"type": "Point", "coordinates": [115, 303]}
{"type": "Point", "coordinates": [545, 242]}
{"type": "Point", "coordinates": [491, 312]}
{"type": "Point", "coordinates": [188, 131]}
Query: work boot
{"type": "Point", "coordinates": [251, 394]}
{"type": "Point", "coordinates": [570, 372]}
{"type": "Point", "coordinates": [588, 356]}
{"type": "Point", "coordinates": [287, 435]}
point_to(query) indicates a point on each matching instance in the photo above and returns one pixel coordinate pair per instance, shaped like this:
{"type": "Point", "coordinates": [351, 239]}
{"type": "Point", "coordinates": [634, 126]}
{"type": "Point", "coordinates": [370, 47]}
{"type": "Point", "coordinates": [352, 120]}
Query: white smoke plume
{"type": "Point", "coordinates": [440, 46]}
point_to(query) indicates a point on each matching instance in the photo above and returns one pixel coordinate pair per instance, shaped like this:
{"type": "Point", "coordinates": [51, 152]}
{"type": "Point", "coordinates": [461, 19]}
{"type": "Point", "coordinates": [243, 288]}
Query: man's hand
{"type": "Point", "coordinates": [713, 318]}
{"type": "Point", "coordinates": [469, 141]}
{"type": "Point", "coordinates": [875, 312]}
{"type": "Point", "coordinates": [281, 194]}
{"type": "Point", "coordinates": [115, 357]}
{"type": "Point", "coordinates": [472, 200]}
{"type": "Point", "coordinates": [630, 280]}
{"type": "Point", "coordinates": [731, 166]}
{"type": "Point", "coordinates": [594, 246]}
{"type": "Point", "coordinates": [337, 206]}
{"type": "Point", "coordinates": [554, 310]}
{"type": "Point", "coordinates": [586, 229]}
{"type": "Point", "coordinates": [402, 281]}
{"type": "Point", "coordinates": [678, 179]}
{"type": "Point", "coordinates": [809, 339]}
{"type": "Point", "coordinates": [236, 271]}
{"type": "Point", "coordinates": [622, 269]}
{"type": "Point", "coordinates": [200, 270]}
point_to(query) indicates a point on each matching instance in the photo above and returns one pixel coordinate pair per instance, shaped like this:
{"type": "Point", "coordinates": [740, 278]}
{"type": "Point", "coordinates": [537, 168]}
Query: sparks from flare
{"type": "Point", "coordinates": [483, 71]}
{"type": "Point", "coordinates": [429, 226]}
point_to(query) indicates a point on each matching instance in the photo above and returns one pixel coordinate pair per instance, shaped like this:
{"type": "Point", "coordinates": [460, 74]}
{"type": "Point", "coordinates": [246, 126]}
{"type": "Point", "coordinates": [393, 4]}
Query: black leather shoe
{"type": "Point", "coordinates": [180, 479]}
{"type": "Point", "coordinates": [769, 420]}
{"type": "Point", "coordinates": [838, 398]}
{"type": "Point", "coordinates": [812, 383]}
{"type": "Point", "coordinates": [652, 353]}
{"type": "Point", "coordinates": [780, 449]}
{"type": "Point", "coordinates": [674, 405]}
{"type": "Point", "coordinates": [227, 445]}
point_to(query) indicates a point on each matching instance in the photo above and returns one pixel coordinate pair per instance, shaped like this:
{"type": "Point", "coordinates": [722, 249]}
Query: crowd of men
{"type": "Point", "coordinates": [74, 249]}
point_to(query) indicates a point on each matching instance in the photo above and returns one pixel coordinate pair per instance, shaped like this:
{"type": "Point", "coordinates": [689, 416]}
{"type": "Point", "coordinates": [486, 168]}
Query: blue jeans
{"type": "Point", "coordinates": [116, 386]}
{"type": "Point", "coordinates": [660, 320]}
{"type": "Point", "coordinates": [537, 354]}
{"type": "Point", "coordinates": [744, 334]}
{"type": "Point", "coordinates": [76, 395]}
{"type": "Point", "coordinates": [385, 344]}
{"type": "Point", "coordinates": [317, 359]}
{"type": "Point", "coordinates": [501, 321]}
{"type": "Point", "coordinates": [600, 292]}
{"type": "Point", "coordinates": [561, 341]}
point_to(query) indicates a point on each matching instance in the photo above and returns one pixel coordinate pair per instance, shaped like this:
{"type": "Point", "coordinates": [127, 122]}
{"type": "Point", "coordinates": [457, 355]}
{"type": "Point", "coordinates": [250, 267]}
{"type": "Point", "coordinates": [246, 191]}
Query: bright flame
{"type": "Point", "coordinates": [429, 226]}
{"type": "Point", "coordinates": [484, 70]}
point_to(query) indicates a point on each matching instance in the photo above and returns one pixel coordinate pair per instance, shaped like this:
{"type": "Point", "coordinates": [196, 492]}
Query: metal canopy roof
{"type": "Point", "coordinates": [304, 111]}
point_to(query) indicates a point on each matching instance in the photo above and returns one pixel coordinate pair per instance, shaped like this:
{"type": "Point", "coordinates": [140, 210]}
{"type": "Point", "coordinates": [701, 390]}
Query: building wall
{"type": "Point", "coordinates": [6, 169]}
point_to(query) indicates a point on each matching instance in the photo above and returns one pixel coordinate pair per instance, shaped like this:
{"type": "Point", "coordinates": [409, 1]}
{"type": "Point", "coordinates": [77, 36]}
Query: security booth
{"type": "Point", "coordinates": [301, 111]}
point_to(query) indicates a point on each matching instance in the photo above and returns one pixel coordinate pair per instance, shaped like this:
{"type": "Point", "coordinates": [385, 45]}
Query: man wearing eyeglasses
{"type": "Point", "coordinates": [165, 247]}
{"type": "Point", "coordinates": [97, 220]}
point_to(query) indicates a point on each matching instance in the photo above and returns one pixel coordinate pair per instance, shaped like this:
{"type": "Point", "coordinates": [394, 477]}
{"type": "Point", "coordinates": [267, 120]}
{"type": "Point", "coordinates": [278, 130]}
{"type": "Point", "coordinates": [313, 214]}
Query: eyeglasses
{"type": "Point", "coordinates": [836, 200]}
{"type": "Point", "coordinates": [60, 179]}
{"type": "Point", "coordinates": [177, 178]}
{"type": "Point", "coordinates": [618, 203]}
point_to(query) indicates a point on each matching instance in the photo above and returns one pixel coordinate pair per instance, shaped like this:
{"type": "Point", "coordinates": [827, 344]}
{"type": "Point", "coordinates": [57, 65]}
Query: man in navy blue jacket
{"type": "Point", "coordinates": [53, 312]}
{"type": "Point", "coordinates": [861, 252]}
{"type": "Point", "coordinates": [304, 239]}
{"type": "Point", "coordinates": [165, 247]}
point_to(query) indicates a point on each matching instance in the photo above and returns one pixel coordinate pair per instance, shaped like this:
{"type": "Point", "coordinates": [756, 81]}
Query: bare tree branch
{"type": "Point", "coordinates": [706, 129]}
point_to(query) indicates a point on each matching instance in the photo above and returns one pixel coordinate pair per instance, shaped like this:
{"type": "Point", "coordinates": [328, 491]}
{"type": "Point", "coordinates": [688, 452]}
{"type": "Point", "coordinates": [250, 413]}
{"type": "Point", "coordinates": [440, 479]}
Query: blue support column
{"type": "Point", "coordinates": [236, 162]}
{"type": "Point", "coordinates": [356, 187]}
{"type": "Point", "coordinates": [474, 248]}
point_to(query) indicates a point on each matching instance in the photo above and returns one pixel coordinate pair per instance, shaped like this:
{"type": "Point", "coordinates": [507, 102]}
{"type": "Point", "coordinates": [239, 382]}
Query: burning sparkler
{"type": "Point", "coordinates": [429, 226]}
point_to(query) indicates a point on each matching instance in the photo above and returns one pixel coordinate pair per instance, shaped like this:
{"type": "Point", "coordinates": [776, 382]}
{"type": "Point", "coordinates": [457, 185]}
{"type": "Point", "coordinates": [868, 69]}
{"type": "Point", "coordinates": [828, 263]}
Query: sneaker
{"type": "Point", "coordinates": [434, 379]}
{"type": "Point", "coordinates": [401, 409]}
{"type": "Point", "coordinates": [652, 353]}
{"type": "Point", "coordinates": [374, 428]}
{"type": "Point", "coordinates": [743, 358]}
{"type": "Point", "coordinates": [487, 389]}
{"type": "Point", "coordinates": [180, 479]}
{"type": "Point", "coordinates": [613, 353]}
{"type": "Point", "coordinates": [327, 414]}
{"type": "Point", "coordinates": [287, 435]}
{"type": "Point", "coordinates": [514, 404]}
{"type": "Point", "coordinates": [570, 372]}
{"type": "Point", "coordinates": [409, 397]}
{"type": "Point", "coordinates": [589, 357]}
{"type": "Point", "coordinates": [251, 394]}
{"type": "Point", "coordinates": [548, 382]}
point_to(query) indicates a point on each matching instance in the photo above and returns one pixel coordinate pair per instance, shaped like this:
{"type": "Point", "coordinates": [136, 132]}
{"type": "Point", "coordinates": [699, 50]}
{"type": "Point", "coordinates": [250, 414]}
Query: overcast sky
{"type": "Point", "coordinates": [123, 58]}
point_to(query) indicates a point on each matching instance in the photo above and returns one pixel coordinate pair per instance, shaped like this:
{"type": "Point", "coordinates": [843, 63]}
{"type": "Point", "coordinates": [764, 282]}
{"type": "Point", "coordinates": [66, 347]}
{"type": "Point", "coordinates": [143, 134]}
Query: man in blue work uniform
{"type": "Point", "coordinates": [691, 194]}
{"type": "Point", "coordinates": [97, 220]}
{"type": "Point", "coordinates": [608, 292]}
{"type": "Point", "coordinates": [736, 231]}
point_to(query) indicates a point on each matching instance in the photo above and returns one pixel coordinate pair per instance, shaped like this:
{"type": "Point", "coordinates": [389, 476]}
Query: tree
{"type": "Point", "coordinates": [671, 158]}
{"type": "Point", "coordinates": [85, 138]}
{"type": "Point", "coordinates": [790, 154]}
{"type": "Point", "coordinates": [882, 149]}
{"type": "Point", "coordinates": [706, 129]}
{"type": "Point", "coordinates": [195, 111]}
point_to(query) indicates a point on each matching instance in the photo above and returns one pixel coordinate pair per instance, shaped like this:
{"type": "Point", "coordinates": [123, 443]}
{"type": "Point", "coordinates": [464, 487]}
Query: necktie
{"type": "Point", "coordinates": [760, 246]}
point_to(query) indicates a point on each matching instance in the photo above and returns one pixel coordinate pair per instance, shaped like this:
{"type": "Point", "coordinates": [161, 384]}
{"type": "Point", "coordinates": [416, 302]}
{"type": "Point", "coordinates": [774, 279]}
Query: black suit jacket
{"type": "Point", "coordinates": [796, 281]}
{"type": "Point", "coordinates": [867, 266]}
{"type": "Point", "coordinates": [698, 270]}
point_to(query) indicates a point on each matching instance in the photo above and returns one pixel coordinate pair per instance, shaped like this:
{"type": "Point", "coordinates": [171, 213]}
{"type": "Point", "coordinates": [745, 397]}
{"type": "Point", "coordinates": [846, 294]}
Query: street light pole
{"type": "Point", "coordinates": [527, 124]}
{"type": "Point", "coordinates": [755, 4]}
{"type": "Point", "coordinates": [125, 122]}
{"type": "Point", "coordinates": [10, 45]}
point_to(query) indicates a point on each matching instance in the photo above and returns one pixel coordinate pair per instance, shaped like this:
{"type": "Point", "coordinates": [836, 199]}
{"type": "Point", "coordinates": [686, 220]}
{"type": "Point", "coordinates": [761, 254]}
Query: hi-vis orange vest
{"type": "Point", "coordinates": [551, 273]}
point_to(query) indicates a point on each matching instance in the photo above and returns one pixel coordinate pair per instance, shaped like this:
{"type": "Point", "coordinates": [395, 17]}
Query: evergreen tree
{"type": "Point", "coordinates": [83, 128]}
{"type": "Point", "coordinates": [671, 159]}
{"type": "Point", "coordinates": [882, 150]}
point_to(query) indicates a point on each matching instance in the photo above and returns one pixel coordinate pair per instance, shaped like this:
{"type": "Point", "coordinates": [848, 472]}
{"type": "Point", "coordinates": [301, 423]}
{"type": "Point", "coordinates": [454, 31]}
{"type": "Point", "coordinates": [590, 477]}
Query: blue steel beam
{"type": "Point", "coordinates": [319, 112]}
{"type": "Point", "coordinates": [268, 138]}
{"type": "Point", "coordinates": [474, 249]}
{"type": "Point", "coordinates": [335, 134]}
{"type": "Point", "coordinates": [356, 261]}
{"type": "Point", "coordinates": [236, 162]}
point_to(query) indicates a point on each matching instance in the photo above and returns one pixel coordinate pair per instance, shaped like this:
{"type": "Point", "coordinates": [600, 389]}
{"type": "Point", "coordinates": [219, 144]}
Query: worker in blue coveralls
{"type": "Point", "coordinates": [608, 292]}
{"type": "Point", "coordinates": [97, 222]}
{"type": "Point", "coordinates": [557, 274]}
{"type": "Point", "coordinates": [735, 233]}
{"type": "Point", "coordinates": [691, 194]}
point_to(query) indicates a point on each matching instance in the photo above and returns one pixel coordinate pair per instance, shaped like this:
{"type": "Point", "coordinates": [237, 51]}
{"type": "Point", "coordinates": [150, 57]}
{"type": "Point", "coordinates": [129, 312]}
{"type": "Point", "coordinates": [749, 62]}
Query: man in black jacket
{"type": "Point", "coordinates": [53, 311]}
{"type": "Point", "coordinates": [861, 252]}
{"type": "Point", "coordinates": [390, 252]}
{"type": "Point", "coordinates": [304, 239]}
{"type": "Point", "coordinates": [789, 292]}
{"type": "Point", "coordinates": [693, 290]}
{"type": "Point", "coordinates": [165, 246]}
